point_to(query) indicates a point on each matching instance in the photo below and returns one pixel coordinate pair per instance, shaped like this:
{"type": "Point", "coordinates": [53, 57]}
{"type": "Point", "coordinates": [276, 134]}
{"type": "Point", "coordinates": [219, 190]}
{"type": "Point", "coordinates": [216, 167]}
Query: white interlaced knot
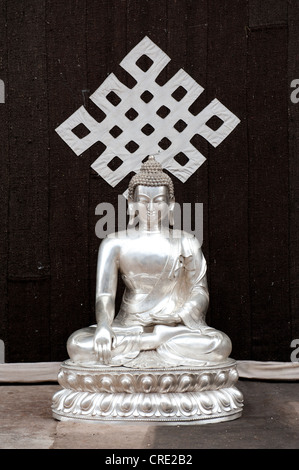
{"type": "Point", "coordinates": [148, 119]}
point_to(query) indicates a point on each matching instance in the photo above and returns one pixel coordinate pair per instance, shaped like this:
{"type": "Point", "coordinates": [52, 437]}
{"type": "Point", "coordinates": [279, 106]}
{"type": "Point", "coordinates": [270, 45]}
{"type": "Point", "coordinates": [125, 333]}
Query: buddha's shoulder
{"type": "Point", "coordinates": [117, 235]}
{"type": "Point", "coordinates": [123, 235]}
{"type": "Point", "coordinates": [186, 238]}
{"type": "Point", "coordinates": [117, 239]}
{"type": "Point", "coordinates": [111, 242]}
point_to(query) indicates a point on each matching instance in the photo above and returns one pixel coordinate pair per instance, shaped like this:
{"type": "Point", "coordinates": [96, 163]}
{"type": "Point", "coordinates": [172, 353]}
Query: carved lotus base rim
{"type": "Point", "coordinates": [171, 408]}
{"type": "Point", "coordinates": [181, 395]}
{"type": "Point", "coordinates": [98, 367]}
{"type": "Point", "coordinates": [101, 379]}
{"type": "Point", "coordinates": [152, 422]}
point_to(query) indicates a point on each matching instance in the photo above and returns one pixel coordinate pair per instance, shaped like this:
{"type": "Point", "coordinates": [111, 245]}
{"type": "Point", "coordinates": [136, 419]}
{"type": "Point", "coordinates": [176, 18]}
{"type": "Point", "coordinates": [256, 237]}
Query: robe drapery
{"type": "Point", "coordinates": [179, 294]}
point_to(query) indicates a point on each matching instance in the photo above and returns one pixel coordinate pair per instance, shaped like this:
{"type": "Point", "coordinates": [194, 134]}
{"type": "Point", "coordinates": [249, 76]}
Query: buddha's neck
{"type": "Point", "coordinates": [153, 229]}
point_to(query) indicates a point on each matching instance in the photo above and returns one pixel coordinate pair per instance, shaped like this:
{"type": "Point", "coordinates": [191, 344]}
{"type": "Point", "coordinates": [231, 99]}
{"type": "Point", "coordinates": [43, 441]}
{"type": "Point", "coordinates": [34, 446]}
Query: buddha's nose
{"type": "Point", "coordinates": [151, 206]}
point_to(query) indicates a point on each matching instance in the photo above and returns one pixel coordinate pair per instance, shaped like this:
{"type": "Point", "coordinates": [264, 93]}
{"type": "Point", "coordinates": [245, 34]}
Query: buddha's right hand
{"type": "Point", "coordinates": [104, 340]}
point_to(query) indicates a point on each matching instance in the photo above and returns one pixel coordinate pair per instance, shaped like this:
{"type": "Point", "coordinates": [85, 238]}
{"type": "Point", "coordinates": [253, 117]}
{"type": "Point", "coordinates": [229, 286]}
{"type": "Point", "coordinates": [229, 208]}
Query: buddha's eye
{"type": "Point", "coordinates": [142, 200]}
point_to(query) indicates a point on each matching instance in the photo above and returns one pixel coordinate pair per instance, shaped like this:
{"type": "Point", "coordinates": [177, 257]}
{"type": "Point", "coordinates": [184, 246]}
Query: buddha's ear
{"type": "Point", "coordinates": [171, 207]}
{"type": "Point", "coordinates": [171, 204]}
{"type": "Point", "coordinates": [131, 210]}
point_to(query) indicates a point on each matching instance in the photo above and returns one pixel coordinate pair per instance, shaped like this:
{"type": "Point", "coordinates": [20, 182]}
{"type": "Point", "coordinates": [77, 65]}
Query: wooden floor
{"type": "Point", "coordinates": [270, 421]}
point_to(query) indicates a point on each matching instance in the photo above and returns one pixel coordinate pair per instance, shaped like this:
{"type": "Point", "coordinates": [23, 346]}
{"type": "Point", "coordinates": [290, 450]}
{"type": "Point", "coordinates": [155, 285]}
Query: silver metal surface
{"type": "Point", "coordinates": [179, 395]}
{"type": "Point", "coordinates": [161, 323]}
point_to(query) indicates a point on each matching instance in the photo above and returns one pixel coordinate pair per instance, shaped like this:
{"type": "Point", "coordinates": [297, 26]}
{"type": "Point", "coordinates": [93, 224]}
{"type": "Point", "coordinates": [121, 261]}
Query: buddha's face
{"type": "Point", "coordinates": [152, 203]}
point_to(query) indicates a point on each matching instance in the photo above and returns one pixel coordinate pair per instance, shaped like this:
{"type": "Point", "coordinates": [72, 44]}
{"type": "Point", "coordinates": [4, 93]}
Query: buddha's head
{"type": "Point", "coordinates": [151, 193]}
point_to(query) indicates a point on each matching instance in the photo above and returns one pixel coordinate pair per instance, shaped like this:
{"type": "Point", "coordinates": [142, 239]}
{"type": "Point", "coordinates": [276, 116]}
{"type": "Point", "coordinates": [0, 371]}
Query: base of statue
{"type": "Point", "coordinates": [179, 395]}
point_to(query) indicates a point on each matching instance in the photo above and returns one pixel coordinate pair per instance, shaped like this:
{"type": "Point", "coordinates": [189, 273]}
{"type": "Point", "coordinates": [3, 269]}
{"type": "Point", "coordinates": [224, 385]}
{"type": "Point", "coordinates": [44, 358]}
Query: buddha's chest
{"type": "Point", "coordinates": [147, 255]}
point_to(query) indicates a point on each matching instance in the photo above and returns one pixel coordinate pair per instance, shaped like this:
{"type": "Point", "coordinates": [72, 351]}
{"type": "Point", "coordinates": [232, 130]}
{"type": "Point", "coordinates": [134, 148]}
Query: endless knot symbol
{"type": "Point", "coordinates": [148, 119]}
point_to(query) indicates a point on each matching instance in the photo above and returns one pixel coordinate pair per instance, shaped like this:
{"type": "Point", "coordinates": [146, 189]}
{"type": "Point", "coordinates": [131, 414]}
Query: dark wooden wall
{"type": "Point", "coordinates": [53, 54]}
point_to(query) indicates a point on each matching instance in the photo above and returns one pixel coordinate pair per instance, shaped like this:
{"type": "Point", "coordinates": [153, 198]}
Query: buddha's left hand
{"type": "Point", "coordinates": [191, 318]}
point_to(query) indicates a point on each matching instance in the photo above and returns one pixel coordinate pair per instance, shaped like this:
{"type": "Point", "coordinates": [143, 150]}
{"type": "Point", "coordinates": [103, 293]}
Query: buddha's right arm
{"type": "Point", "coordinates": [105, 310]}
{"type": "Point", "coordinates": [106, 284]}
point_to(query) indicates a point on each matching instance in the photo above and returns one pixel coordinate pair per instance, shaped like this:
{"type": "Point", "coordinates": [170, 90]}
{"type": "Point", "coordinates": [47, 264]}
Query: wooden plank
{"type": "Point", "coordinates": [228, 178]}
{"type": "Point", "coordinates": [268, 194]}
{"type": "Point", "coordinates": [104, 53]}
{"type": "Point", "coordinates": [196, 189]}
{"type": "Point", "coordinates": [28, 263]}
{"type": "Point", "coordinates": [28, 204]}
{"type": "Point", "coordinates": [263, 13]}
{"type": "Point", "coordinates": [4, 171]}
{"type": "Point", "coordinates": [69, 174]}
{"type": "Point", "coordinates": [187, 47]}
{"type": "Point", "coordinates": [293, 34]}
{"type": "Point", "coordinates": [28, 329]}
{"type": "Point", "coordinates": [147, 18]}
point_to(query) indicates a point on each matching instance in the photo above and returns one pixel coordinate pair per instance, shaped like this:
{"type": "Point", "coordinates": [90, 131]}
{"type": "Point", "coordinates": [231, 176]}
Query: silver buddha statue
{"type": "Point", "coordinates": [166, 294]}
{"type": "Point", "coordinates": [160, 327]}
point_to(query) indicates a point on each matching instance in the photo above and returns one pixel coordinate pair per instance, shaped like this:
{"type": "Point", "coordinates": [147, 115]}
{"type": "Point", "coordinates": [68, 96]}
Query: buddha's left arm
{"type": "Point", "coordinates": [194, 310]}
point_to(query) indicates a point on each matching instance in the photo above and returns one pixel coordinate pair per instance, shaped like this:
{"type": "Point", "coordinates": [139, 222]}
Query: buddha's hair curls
{"type": "Point", "coordinates": [151, 174]}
